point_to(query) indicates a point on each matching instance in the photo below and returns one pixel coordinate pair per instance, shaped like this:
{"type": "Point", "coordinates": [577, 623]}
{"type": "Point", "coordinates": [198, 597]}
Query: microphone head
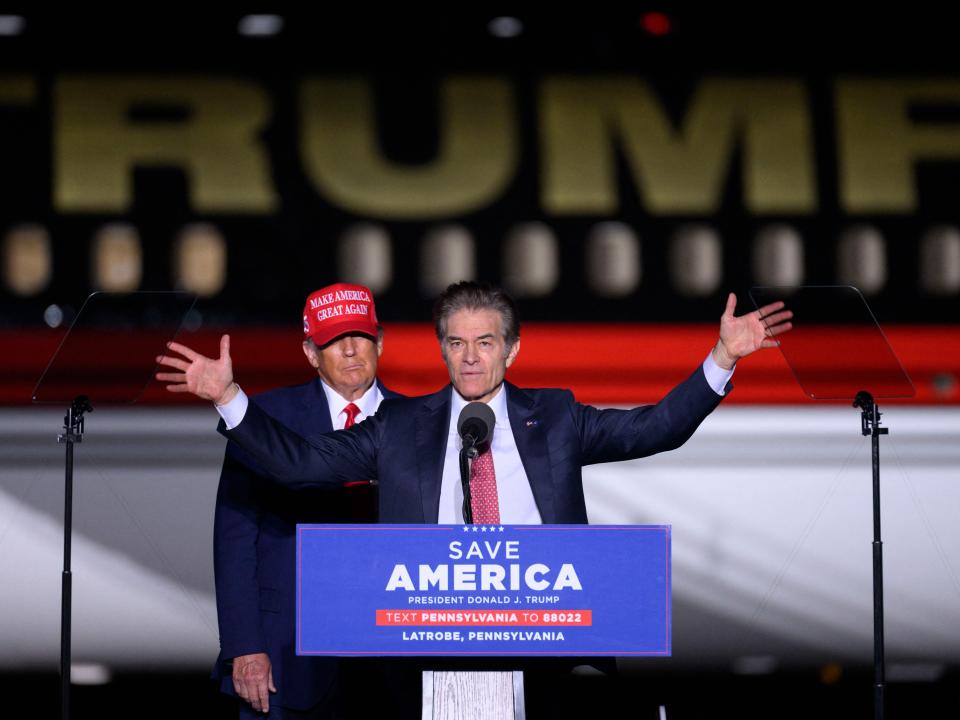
{"type": "Point", "coordinates": [476, 423]}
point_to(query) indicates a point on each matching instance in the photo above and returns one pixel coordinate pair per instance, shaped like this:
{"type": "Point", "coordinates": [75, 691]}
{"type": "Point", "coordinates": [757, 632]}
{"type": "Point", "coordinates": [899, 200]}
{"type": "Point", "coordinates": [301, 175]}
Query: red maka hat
{"type": "Point", "coordinates": [337, 310]}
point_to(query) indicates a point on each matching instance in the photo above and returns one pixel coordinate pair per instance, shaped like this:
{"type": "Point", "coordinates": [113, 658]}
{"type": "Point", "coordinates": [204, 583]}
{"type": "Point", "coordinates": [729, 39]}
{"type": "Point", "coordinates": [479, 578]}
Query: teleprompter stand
{"type": "Point", "coordinates": [836, 350]}
{"type": "Point", "coordinates": [72, 433]}
{"type": "Point", "coordinates": [80, 373]}
{"type": "Point", "coordinates": [870, 425]}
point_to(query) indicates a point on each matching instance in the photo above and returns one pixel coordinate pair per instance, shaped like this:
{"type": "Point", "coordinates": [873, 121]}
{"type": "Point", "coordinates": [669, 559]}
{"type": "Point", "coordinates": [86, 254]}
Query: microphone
{"type": "Point", "coordinates": [475, 426]}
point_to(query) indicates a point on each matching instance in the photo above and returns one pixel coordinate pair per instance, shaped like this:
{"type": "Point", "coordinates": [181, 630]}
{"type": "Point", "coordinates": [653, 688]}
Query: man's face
{"type": "Point", "coordinates": [348, 364]}
{"type": "Point", "coordinates": [475, 353]}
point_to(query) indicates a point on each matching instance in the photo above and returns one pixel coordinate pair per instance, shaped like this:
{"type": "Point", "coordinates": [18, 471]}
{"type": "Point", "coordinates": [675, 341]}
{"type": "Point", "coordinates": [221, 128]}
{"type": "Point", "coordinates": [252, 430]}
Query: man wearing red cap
{"type": "Point", "coordinates": [255, 521]}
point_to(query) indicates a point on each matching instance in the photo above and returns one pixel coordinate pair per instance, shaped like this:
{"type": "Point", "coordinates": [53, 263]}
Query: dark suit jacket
{"type": "Point", "coordinates": [255, 550]}
{"type": "Point", "coordinates": [404, 444]}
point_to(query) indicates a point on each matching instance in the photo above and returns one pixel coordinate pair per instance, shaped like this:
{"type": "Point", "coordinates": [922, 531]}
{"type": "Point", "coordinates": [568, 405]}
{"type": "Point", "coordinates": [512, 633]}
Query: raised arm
{"type": "Point", "coordinates": [326, 459]}
{"type": "Point", "coordinates": [607, 435]}
{"type": "Point", "coordinates": [287, 458]}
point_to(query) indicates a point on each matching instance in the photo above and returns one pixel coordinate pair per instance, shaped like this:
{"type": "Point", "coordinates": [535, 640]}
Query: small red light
{"type": "Point", "coordinates": [656, 23]}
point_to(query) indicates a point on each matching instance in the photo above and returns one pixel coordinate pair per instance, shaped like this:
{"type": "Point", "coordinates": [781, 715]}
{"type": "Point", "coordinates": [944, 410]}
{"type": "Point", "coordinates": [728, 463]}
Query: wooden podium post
{"type": "Point", "coordinates": [487, 695]}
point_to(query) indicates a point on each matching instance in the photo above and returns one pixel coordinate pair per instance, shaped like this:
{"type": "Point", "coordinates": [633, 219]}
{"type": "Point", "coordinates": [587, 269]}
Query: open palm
{"type": "Point", "coordinates": [743, 335]}
{"type": "Point", "coordinates": [207, 378]}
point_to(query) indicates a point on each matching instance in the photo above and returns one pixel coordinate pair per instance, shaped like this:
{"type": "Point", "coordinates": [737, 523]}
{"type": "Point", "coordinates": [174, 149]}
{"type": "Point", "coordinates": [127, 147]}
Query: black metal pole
{"type": "Point", "coordinates": [72, 433]}
{"type": "Point", "coordinates": [870, 425]}
{"type": "Point", "coordinates": [66, 599]}
{"type": "Point", "coordinates": [879, 668]}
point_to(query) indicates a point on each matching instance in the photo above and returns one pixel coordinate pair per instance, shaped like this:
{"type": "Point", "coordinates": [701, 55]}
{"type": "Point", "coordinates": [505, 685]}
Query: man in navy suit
{"type": "Point", "coordinates": [542, 438]}
{"type": "Point", "coordinates": [255, 521]}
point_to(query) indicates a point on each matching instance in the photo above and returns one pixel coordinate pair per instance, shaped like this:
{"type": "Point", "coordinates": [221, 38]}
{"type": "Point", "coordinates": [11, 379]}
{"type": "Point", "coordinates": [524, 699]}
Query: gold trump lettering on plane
{"type": "Point", "coordinates": [583, 124]}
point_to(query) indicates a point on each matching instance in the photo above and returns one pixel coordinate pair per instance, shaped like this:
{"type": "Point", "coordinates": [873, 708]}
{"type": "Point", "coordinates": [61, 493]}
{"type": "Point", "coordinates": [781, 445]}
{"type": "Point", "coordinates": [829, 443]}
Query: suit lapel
{"type": "Point", "coordinates": [530, 434]}
{"type": "Point", "coordinates": [314, 413]}
{"type": "Point", "coordinates": [432, 424]}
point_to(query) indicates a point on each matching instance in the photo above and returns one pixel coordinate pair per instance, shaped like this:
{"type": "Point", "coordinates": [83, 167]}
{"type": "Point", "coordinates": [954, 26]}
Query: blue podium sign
{"type": "Point", "coordinates": [483, 590]}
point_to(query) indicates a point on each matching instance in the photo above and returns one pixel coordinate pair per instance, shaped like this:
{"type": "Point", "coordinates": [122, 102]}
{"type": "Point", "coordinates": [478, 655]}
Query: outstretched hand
{"type": "Point", "coordinates": [741, 336]}
{"type": "Point", "coordinates": [207, 378]}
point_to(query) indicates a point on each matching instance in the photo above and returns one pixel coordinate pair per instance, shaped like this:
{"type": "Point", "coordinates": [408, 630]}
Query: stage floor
{"type": "Point", "coordinates": [685, 696]}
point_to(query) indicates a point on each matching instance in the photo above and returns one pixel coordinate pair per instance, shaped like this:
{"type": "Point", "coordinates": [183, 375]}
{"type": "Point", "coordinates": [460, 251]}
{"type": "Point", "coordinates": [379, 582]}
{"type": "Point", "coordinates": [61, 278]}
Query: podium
{"type": "Point", "coordinates": [465, 597]}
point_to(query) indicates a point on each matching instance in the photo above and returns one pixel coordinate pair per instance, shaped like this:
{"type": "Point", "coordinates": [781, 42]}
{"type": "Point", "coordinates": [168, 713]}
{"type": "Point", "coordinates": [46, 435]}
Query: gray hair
{"type": "Point", "coordinates": [469, 295]}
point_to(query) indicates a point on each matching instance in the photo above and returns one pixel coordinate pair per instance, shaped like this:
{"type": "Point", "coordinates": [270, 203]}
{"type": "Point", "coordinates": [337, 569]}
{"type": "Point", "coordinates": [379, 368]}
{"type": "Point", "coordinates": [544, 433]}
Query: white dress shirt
{"type": "Point", "coordinates": [336, 404]}
{"type": "Point", "coordinates": [517, 506]}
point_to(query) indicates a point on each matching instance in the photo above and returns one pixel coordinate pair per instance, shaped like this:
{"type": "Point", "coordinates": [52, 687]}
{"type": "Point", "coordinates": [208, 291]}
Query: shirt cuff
{"type": "Point", "coordinates": [717, 377]}
{"type": "Point", "coordinates": [234, 411]}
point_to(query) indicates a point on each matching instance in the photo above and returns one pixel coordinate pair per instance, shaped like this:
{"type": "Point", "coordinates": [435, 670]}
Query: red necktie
{"type": "Point", "coordinates": [483, 490]}
{"type": "Point", "coordinates": [352, 411]}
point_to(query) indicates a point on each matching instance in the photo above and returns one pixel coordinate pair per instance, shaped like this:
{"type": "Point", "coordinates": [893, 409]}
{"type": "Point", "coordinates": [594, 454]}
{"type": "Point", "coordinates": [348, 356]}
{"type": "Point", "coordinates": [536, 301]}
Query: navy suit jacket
{"type": "Point", "coordinates": [404, 444]}
{"type": "Point", "coordinates": [255, 550]}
